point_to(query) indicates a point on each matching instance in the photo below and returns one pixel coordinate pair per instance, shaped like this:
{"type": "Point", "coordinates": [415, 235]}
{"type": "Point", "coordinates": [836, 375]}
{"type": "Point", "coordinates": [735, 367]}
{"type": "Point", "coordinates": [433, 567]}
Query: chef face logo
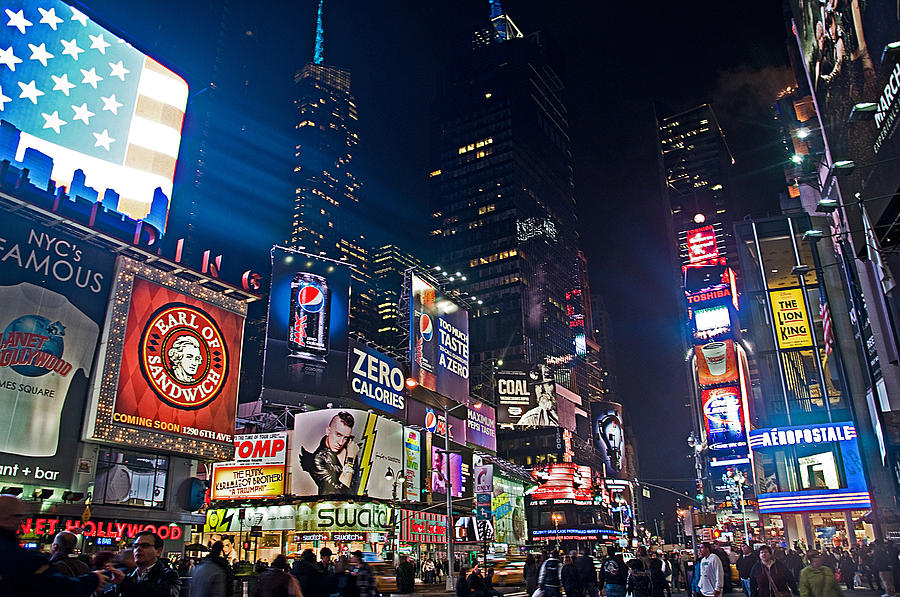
{"type": "Point", "coordinates": [183, 356]}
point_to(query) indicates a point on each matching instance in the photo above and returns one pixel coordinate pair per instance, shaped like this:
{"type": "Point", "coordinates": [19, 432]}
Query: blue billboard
{"type": "Point", "coordinates": [439, 341]}
{"type": "Point", "coordinates": [306, 340]}
{"type": "Point", "coordinates": [377, 379]}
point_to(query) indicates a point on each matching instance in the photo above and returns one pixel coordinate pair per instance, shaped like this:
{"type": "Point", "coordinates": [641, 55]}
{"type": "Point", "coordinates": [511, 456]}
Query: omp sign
{"type": "Point", "coordinates": [260, 448]}
{"type": "Point", "coordinates": [702, 297]}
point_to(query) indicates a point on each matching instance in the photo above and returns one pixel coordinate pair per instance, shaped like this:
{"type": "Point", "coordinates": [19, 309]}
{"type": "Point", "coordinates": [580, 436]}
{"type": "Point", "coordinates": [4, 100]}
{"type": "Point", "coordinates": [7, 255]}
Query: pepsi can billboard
{"type": "Point", "coordinates": [376, 379]}
{"type": "Point", "coordinates": [439, 341]}
{"type": "Point", "coordinates": [306, 340]}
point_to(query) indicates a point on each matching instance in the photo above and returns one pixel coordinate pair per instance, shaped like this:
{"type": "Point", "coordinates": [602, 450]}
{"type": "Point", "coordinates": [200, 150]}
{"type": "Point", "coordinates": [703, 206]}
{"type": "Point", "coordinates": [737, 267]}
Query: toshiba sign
{"type": "Point", "coordinates": [257, 470]}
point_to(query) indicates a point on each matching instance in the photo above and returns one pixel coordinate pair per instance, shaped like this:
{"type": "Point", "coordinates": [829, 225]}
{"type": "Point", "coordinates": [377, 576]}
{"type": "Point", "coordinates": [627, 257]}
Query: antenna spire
{"type": "Point", "coordinates": [319, 53]}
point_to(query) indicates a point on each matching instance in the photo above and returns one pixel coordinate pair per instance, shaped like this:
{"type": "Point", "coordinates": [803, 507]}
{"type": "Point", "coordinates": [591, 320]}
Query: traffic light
{"type": "Point", "coordinates": [246, 545]}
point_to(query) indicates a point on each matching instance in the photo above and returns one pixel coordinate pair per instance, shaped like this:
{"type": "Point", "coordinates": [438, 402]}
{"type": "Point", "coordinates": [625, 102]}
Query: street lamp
{"type": "Point", "coordinates": [395, 482]}
{"type": "Point", "coordinates": [739, 479]}
{"type": "Point", "coordinates": [451, 576]}
{"type": "Point", "coordinates": [556, 516]}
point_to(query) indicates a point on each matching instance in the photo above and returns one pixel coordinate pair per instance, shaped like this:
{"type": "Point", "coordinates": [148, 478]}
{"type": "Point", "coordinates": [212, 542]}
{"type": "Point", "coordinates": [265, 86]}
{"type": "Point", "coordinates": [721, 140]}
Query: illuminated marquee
{"type": "Point", "coordinates": [701, 245]}
{"type": "Point", "coordinates": [802, 436]}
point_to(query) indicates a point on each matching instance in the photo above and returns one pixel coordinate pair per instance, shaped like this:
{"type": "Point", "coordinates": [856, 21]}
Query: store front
{"type": "Point", "coordinates": [423, 535]}
{"type": "Point", "coordinates": [343, 527]}
{"type": "Point", "coordinates": [811, 478]}
{"type": "Point", "coordinates": [266, 529]}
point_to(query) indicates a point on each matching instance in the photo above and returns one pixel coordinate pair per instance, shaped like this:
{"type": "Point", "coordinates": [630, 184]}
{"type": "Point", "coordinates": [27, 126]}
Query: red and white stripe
{"type": "Point", "coordinates": [825, 314]}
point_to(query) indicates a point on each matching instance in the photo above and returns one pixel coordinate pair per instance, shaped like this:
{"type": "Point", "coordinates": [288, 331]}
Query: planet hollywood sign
{"type": "Point", "coordinates": [802, 435]}
{"type": "Point", "coordinates": [111, 529]}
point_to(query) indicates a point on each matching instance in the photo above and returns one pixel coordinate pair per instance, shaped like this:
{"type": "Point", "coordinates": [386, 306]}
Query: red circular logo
{"type": "Point", "coordinates": [184, 357]}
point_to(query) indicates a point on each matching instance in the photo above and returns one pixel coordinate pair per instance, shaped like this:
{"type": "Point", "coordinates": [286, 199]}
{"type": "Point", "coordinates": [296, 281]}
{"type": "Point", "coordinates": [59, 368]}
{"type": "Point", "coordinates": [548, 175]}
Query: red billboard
{"type": "Point", "coordinates": [701, 245]}
{"type": "Point", "coordinates": [171, 365]}
{"type": "Point", "coordinates": [562, 483]}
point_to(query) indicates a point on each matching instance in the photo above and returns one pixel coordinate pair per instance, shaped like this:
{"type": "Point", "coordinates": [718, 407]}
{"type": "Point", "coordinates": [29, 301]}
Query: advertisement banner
{"type": "Point", "coordinates": [257, 470]}
{"type": "Point", "coordinates": [724, 417]}
{"type": "Point", "coordinates": [345, 452]}
{"type": "Point", "coordinates": [423, 527]}
{"type": "Point", "coordinates": [482, 427]}
{"type": "Point", "coordinates": [168, 378]}
{"type": "Point", "coordinates": [344, 517]}
{"type": "Point", "coordinates": [270, 518]}
{"type": "Point", "coordinates": [716, 363]}
{"type": "Point", "coordinates": [791, 322]}
{"type": "Point", "coordinates": [526, 397]}
{"type": "Point", "coordinates": [439, 341]}
{"type": "Point", "coordinates": [412, 447]}
{"type": "Point", "coordinates": [306, 339]}
{"type": "Point", "coordinates": [562, 483]}
{"type": "Point", "coordinates": [432, 419]}
{"type": "Point", "coordinates": [609, 436]}
{"type": "Point", "coordinates": [701, 245]}
{"type": "Point", "coordinates": [711, 323]}
{"type": "Point", "coordinates": [439, 472]}
{"type": "Point", "coordinates": [136, 110]}
{"type": "Point", "coordinates": [53, 294]}
{"type": "Point", "coordinates": [376, 379]}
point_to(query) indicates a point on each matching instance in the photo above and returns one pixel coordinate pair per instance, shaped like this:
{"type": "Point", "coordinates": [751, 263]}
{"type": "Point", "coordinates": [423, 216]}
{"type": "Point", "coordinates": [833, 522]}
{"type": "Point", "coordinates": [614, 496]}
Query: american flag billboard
{"type": "Point", "coordinates": [85, 98]}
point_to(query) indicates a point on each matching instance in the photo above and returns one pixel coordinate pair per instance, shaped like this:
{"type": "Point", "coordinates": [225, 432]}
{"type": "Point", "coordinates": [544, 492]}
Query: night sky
{"type": "Point", "coordinates": [622, 63]}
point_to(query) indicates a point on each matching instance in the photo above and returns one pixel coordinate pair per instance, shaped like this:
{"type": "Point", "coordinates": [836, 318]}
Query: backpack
{"type": "Point", "coordinates": [551, 573]}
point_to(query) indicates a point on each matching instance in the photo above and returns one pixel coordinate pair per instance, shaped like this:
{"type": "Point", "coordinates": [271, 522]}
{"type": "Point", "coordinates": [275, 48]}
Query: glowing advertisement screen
{"type": "Point", "coordinates": [307, 336]}
{"type": "Point", "coordinates": [169, 373]}
{"type": "Point", "coordinates": [562, 483]}
{"type": "Point", "coordinates": [716, 363]}
{"type": "Point", "coordinates": [701, 245]}
{"type": "Point", "coordinates": [346, 452]}
{"type": "Point", "coordinates": [439, 342]}
{"type": "Point", "coordinates": [87, 110]}
{"type": "Point", "coordinates": [724, 418]}
{"type": "Point", "coordinates": [53, 294]}
{"type": "Point", "coordinates": [257, 470]}
{"type": "Point", "coordinates": [439, 473]}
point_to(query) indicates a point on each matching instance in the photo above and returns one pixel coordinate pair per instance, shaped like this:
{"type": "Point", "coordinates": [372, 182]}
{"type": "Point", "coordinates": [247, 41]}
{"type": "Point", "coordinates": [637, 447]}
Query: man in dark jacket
{"type": "Point", "coordinates": [310, 576]}
{"type": "Point", "coordinates": [153, 576]}
{"type": "Point", "coordinates": [587, 574]}
{"type": "Point", "coordinates": [25, 572]}
{"type": "Point", "coordinates": [331, 464]}
{"type": "Point", "coordinates": [613, 573]}
{"type": "Point", "coordinates": [884, 558]}
{"type": "Point", "coordinates": [745, 564]}
{"type": "Point", "coordinates": [62, 555]}
{"type": "Point", "coordinates": [406, 576]}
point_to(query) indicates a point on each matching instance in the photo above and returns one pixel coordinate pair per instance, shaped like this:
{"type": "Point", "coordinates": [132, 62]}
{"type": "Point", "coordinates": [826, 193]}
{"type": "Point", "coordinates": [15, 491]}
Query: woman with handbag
{"type": "Point", "coordinates": [769, 577]}
{"type": "Point", "coordinates": [817, 580]}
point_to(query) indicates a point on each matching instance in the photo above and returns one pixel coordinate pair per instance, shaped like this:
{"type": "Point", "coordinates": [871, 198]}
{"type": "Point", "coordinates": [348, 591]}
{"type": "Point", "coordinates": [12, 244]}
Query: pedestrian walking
{"type": "Point", "coordinates": [276, 580]}
{"type": "Point", "coordinates": [745, 564]}
{"type": "Point", "coordinates": [550, 576]}
{"type": "Point", "coordinates": [213, 577]}
{"type": "Point", "coordinates": [530, 572]}
{"type": "Point", "coordinates": [406, 576]}
{"type": "Point", "coordinates": [365, 576]}
{"type": "Point", "coordinates": [659, 583]}
{"type": "Point", "coordinates": [63, 558]}
{"type": "Point", "coordinates": [817, 579]}
{"type": "Point", "coordinates": [847, 566]}
{"type": "Point", "coordinates": [769, 577]}
{"type": "Point", "coordinates": [613, 573]}
{"type": "Point", "coordinates": [308, 573]}
{"type": "Point", "coordinates": [153, 575]}
{"type": "Point", "coordinates": [462, 583]}
{"type": "Point", "coordinates": [569, 578]}
{"type": "Point", "coordinates": [711, 574]}
{"type": "Point", "coordinates": [587, 574]}
{"type": "Point", "coordinates": [428, 571]}
{"type": "Point", "coordinates": [884, 559]}
{"type": "Point", "coordinates": [638, 583]}
{"type": "Point", "coordinates": [340, 583]}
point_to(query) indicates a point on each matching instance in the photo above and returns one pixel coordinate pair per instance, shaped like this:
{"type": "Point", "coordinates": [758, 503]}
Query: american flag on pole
{"type": "Point", "coordinates": [90, 101]}
{"type": "Point", "coordinates": [825, 314]}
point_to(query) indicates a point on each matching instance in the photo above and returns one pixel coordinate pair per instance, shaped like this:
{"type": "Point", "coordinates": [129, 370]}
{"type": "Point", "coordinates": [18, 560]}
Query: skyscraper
{"type": "Point", "coordinates": [695, 160]}
{"type": "Point", "coordinates": [388, 265]}
{"type": "Point", "coordinates": [325, 219]}
{"type": "Point", "coordinates": [504, 209]}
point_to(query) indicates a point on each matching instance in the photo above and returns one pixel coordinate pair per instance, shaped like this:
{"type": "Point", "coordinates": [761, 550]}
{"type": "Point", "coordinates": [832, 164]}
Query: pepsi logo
{"type": "Point", "coordinates": [426, 328]}
{"type": "Point", "coordinates": [311, 299]}
{"type": "Point", "coordinates": [431, 420]}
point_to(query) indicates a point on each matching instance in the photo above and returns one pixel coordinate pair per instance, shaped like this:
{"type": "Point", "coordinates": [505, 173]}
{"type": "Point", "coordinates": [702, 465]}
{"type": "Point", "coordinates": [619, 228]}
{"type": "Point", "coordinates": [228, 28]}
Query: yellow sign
{"type": "Point", "coordinates": [246, 482]}
{"type": "Point", "coordinates": [791, 323]}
